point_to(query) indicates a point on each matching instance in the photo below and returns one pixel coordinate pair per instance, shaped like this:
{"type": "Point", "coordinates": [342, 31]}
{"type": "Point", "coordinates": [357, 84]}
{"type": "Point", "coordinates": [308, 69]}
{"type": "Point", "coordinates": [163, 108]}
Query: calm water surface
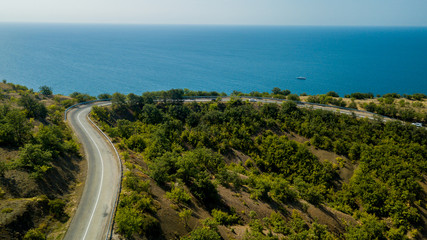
{"type": "Point", "coordinates": [135, 58]}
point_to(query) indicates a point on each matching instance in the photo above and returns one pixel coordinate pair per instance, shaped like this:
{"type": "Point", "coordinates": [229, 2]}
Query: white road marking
{"type": "Point", "coordinates": [102, 176]}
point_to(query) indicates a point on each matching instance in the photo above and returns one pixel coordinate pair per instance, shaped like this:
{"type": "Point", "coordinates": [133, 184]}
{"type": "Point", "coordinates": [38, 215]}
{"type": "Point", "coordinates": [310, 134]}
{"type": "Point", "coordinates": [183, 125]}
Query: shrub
{"type": "Point", "coordinates": [332, 94]}
{"type": "Point", "coordinates": [56, 207]}
{"type": "Point", "coordinates": [136, 143]}
{"type": "Point", "coordinates": [6, 210]}
{"type": "Point", "coordinates": [128, 221]}
{"type": "Point", "coordinates": [34, 234]}
{"type": "Point", "coordinates": [203, 188]}
{"type": "Point", "coordinates": [178, 195]}
{"type": "Point", "coordinates": [185, 215]}
{"type": "Point", "coordinates": [45, 90]}
{"type": "Point", "coordinates": [224, 218]}
{"type": "Point", "coordinates": [140, 201]}
{"type": "Point", "coordinates": [281, 191]}
{"type": "Point", "coordinates": [132, 182]}
{"type": "Point", "coordinates": [293, 97]}
{"type": "Point", "coordinates": [203, 233]}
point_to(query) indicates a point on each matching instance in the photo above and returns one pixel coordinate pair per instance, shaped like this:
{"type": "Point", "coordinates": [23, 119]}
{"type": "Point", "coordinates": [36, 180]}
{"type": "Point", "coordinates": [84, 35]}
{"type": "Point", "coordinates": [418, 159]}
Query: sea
{"type": "Point", "coordinates": [96, 58]}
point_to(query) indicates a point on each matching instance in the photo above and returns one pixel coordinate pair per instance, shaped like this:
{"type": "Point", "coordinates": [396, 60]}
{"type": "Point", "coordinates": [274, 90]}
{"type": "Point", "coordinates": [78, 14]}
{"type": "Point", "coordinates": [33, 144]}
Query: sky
{"type": "Point", "coordinates": [220, 12]}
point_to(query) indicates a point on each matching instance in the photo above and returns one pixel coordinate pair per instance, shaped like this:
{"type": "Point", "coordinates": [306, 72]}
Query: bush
{"type": "Point", "coordinates": [203, 233]}
{"type": "Point", "coordinates": [32, 157]}
{"type": "Point", "coordinates": [140, 201]}
{"type": "Point", "coordinates": [34, 234]}
{"type": "Point", "coordinates": [224, 218]}
{"type": "Point", "coordinates": [293, 97]}
{"type": "Point", "coordinates": [133, 182]}
{"type": "Point", "coordinates": [136, 143]}
{"type": "Point", "coordinates": [33, 108]}
{"type": "Point", "coordinates": [178, 195]}
{"type": "Point", "coordinates": [280, 190]}
{"type": "Point", "coordinates": [162, 167]}
{"type": "Point", "coordinates": [332, 94]}
{"type": "Point", "coordinates": [185, 215]}
{"type": "Point", "coordinates": [128, 221]}
{"type": "Point", "coordinates": [56, 208]}
{"type": "Point", "coordinates": [203, 188]}
{"type": "Point", "coordinates": [45, 90]}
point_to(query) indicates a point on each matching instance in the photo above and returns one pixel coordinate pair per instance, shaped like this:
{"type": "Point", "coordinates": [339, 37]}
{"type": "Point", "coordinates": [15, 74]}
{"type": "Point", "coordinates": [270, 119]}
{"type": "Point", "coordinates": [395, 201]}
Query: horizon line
{"type": "Point", "coordinates": [209, 24]}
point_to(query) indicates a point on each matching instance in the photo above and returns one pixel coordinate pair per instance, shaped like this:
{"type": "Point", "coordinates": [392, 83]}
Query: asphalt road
{"type": "Point", "coordinates": [92, 218]}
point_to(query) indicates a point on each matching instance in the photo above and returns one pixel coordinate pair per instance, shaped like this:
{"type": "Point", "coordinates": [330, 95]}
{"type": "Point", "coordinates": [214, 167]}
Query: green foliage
{"type": "Point", "coordinates": [188, 142]}
{"type": "Point", "coordinates": [327, 99]}
{"type": "Point", "coordinates": [6, 210]}
{"type": "Point", "coordinates": [56, 208]}
{"type": "Point", "coordinates": [293, 97]}
{"type": "Point", "coordinates": [14, 127]}
{"type": "Point", "coordinates": [151, 115]}
{"type": "Point", "coordinates": [82, 97]}
{"type": "Point", "coordinates": [163, 167]}
{"type": "Point", "coordinates": [137, 200]}
{"type": "Point", "coordinates": [203, 188]}
{"type": "Point", "coordinates": [185, 215]}
{"type": "Point", "coordinates": [223, 218]}
{"type": "Point", "coordinates": [104, 96]}
{"type": "Point", "coordinates": [130, 221]}
{"type": "Point", "coordinates": [45, 90]}
{"type": "Point", "coordinates": [34, 158]}
{"type": "Point", "coordinates": [416, 96]}
{"type": "Point", "coordinates": [358, 95]}
{"type": "Point", "coordinates": [178, 195]}
{"type": "Point", "coordinates": [50, 138]}
{"type": "Point", "coordinates": [203, 233]}
{"type": "Point", "coordinates": [34, 234]}
{"type": "Point", "coordinates": [136, 143]}
{"type": "Point", "coordinates": [32, 107]}
{"type": "Point", "coordinates": [270, 110]}
{"type": "Point", "coordinates": [227, 178]}
{"type": "Point", "coordinates": [134, 183]}
{"type": "Point", "coordinates": [281, 191]}
{"type": "Point", "coordinates": [277, 223]}
{"type": "Point", "coordinates": [278, 91]}
{"type": "Point", "coordinates": [332, 94]}
{"type": "Point", "coordinates": [371, 228]}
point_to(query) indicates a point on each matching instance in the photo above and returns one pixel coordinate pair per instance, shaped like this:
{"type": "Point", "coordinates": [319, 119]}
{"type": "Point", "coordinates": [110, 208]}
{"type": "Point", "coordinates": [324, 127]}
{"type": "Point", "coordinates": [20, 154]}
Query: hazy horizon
{"type": "Point", "coordinates": [221, 12]}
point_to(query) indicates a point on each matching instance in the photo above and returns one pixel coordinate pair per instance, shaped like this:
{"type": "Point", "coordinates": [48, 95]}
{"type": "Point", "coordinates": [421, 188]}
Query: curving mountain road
{"type": "Point", "coordinates": [92, 218]}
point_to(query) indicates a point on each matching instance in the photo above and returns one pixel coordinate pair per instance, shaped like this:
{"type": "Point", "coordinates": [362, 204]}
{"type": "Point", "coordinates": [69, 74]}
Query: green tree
{"type": "Point", "coordinates": [104, 96]}
{"type": "Point", "coordinates": [34, 234]}
{"type": "Point", "coordinates": [203, 233]}
{"type": "Point", "coordinates": [185, 216]}
{"type": "Point", "coordinates": [178, 195]}
{"type": "Point", "coordinates": [332, 94]}
{"type": "Point", "coordinates": [293, 97]}
{"type": "Point", "coordinates": [45, 90]}
{"type": "Point", "coordinates": [14, 128]}
{"type": "Point", "coordinates": [56, 208]}
{"type": "Point", "coordinates": [128, 221]}
{"type": "Point", "coordinates": [151, 115]}
{"type": "Point", "coordinates": [32, 107]}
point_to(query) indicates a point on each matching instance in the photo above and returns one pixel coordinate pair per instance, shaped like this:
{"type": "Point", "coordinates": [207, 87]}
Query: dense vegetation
{"type": "Point", "coordinates": [35, 143]}
{"type": "Point", "coordinates": [190, 149]}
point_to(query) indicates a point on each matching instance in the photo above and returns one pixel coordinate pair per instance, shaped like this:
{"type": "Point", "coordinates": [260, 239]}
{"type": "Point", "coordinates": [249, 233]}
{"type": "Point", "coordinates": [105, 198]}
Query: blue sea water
{"type": "Point", "coordinates": [98, 59]}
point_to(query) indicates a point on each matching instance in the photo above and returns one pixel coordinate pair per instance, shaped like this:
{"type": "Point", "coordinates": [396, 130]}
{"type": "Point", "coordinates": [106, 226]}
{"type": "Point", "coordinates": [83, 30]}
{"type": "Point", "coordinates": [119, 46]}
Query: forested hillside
{"type": "Point", "coordinates": [39, 163]}
{"type": "Point", "coordinates": [241, 170]}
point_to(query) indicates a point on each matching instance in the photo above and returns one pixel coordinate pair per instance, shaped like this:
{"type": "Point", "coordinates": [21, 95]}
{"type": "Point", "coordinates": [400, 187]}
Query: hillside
{"type": "Point", "coordinates": [41, 167]}
{"type": "Point", "coordinates": [243, 170]}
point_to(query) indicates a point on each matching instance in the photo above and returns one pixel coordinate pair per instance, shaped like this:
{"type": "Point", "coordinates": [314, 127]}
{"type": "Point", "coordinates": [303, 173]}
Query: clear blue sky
{"type": "Point", "coordinates": [236, 12]}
